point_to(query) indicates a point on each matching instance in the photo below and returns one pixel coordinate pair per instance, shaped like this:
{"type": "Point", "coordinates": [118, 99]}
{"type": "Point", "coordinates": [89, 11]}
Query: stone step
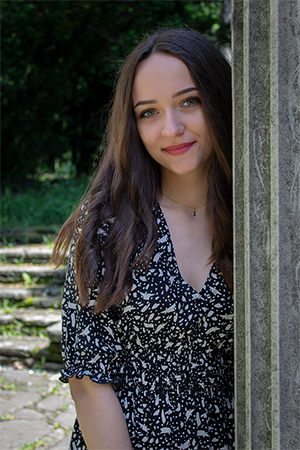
{"type": "Point", "coordinates": [32, 317]}
{"type": "Point", "coordinates": [22, 346]}
{"type": "Point", "coordinates": [43, 302]}
{"type": "Point", "coordinates": [54, 332]}
{"type": "Point", "coordinates": [36, 254]}
{"type": "Point", "coordinates": [34, 235]}
{"type": "Point", "coordinates": [44, 297]}
{"type": "Point", "coordinates": [26, 253]}
{"type": "Point", "coordinates": [30, 350]}
{"type": "Point", "coordinates": [10, 273]}
{"type": "Point", "coordinates": [18, 292]}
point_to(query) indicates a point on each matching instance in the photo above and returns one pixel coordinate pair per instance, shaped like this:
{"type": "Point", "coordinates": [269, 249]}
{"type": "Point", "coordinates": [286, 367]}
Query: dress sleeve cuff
{"type": "Point", "coordinates": [81, 372]}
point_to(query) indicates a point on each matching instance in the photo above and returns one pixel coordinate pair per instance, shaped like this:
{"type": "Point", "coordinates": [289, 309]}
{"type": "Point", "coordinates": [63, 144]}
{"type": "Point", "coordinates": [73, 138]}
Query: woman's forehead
{"type": "Point", "coordinates": [161, 73]}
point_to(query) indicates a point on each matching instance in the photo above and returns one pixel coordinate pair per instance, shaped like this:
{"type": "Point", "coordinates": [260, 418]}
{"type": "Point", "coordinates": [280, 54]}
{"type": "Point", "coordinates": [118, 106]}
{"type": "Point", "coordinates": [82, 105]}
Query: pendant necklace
{"type": "Point", "coordinates": [192, 208]}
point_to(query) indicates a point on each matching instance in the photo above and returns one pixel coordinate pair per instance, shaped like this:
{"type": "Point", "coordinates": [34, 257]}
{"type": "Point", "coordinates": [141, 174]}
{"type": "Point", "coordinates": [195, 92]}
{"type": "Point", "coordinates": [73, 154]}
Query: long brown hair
{"type": "Point", "coordinates": [127, 180]}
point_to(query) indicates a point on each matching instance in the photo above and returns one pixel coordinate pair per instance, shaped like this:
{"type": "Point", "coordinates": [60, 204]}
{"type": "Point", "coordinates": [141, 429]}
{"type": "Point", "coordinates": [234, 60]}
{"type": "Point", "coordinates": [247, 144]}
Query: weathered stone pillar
{"type": "Point", "coordinates": [266, 57]}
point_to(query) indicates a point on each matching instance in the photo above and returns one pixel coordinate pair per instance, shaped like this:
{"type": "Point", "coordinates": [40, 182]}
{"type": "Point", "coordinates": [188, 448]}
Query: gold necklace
{"type": "Point", "coordinates": [193, 208]}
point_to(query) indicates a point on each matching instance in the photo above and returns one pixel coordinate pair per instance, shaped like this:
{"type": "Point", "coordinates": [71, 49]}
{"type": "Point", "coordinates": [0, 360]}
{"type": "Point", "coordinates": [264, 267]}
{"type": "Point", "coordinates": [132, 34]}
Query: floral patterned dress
{"type": "Point", "coordinates": [167, 350]}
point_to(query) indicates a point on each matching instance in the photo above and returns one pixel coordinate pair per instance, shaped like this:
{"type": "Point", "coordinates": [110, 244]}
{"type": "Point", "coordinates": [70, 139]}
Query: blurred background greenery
{"type": "Point", "coordinates": [60, 60]}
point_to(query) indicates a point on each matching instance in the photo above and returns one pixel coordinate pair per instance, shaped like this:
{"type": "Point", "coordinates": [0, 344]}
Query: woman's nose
{"type": "Point", "coordinates": [172, 126]}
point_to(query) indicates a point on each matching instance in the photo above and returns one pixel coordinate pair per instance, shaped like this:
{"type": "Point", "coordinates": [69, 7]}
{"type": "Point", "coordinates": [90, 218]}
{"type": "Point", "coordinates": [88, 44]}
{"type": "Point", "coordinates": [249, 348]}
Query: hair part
{"type": "Point", "coordinates": [127, 180]}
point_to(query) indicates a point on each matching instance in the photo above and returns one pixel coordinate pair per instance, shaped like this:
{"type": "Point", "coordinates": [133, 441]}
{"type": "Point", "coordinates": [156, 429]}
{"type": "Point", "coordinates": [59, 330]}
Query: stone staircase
{"type": "Point", "coordinates": [30, 294]}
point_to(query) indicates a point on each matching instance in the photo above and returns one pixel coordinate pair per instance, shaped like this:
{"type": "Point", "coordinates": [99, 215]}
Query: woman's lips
{"type": "Point", "coordinates": [175, 150]}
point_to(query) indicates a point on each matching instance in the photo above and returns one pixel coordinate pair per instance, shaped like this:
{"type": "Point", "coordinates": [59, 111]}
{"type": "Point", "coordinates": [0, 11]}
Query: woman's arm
{"type": "Point", "coordinates": [100, 415]}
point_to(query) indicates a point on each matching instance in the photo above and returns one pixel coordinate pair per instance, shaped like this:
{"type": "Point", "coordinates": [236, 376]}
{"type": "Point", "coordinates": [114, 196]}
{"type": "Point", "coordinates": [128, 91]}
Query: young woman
{"type": "Point", "coordinates": [147, 306]}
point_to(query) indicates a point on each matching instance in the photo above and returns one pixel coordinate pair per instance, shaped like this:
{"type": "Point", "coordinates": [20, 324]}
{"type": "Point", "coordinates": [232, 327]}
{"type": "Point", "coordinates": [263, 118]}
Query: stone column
{"type": "Point", "coordinates": [266, 73]}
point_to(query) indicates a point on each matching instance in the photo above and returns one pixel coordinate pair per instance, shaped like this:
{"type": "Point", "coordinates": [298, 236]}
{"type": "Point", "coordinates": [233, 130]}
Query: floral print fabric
{"type": "Point", "coordinates": [167, 350]}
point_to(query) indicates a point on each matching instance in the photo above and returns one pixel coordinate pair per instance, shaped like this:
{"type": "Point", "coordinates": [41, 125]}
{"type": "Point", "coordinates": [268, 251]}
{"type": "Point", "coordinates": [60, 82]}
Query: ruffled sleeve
{"type": "Point", "coordinates": [90, 342]}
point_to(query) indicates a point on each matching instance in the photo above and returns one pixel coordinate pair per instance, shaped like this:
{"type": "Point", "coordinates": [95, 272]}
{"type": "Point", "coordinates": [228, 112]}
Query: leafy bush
{"type": "Point", "coordinates": [43, 203]}
{"type": "Point", "coordinates": [59, 63]}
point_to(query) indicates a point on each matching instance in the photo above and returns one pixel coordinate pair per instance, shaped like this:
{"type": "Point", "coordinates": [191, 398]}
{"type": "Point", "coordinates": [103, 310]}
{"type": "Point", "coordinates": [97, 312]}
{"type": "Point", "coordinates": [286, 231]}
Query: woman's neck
{"type": "Point", "coordinates": [186, 190]}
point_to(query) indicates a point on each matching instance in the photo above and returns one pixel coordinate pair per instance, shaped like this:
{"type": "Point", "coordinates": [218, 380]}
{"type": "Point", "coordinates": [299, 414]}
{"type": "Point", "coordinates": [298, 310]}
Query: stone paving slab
{"type": "Point", "coordinates": [35, 408]}
{"type": "Point", "coordinates": [28, 414]}
{"type": "Point", "coordinates": [52, 403]}
{"type": "Point", "coordinates": [61, 445]}
{"type": "Point", "coordinates": [28, 380]}
{"type": "Point", "coordinates": [66, 419]}
{"type": "Point", "coordinates": [14, 437]}
{"type": "Point", "coordinates": [11, 401]}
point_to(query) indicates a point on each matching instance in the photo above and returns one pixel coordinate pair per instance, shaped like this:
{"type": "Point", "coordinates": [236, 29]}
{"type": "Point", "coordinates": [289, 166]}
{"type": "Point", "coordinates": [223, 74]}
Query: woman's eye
{"type": "Point", "coordinates": [193, 101]}
{"type": "Point", "coordinates": [147, 113]}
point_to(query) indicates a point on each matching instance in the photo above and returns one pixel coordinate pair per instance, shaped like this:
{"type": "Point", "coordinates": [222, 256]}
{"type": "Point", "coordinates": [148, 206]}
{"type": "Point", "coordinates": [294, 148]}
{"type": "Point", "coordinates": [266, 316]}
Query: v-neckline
{"type": "Point", "coordinates": [166, 226]}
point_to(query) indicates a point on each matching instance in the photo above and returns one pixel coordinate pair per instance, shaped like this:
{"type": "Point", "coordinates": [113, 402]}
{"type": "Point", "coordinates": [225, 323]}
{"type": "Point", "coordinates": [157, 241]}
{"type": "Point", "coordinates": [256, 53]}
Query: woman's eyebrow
{"type": "Point", "coordinates": [184, 91]}
{"type": "Point", "coordinates": [145, 102]}
{"type": "Point", "coordinates": [177, 94]}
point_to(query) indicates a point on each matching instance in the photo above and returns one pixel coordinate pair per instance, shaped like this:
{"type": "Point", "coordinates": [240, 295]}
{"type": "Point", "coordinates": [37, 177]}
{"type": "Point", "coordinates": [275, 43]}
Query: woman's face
{"type": "Point", "coordinates": [169, 116]}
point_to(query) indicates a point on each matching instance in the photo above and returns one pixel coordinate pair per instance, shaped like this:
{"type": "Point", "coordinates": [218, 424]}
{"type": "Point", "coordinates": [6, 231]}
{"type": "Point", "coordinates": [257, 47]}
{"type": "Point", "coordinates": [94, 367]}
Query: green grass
{"type": "Point", "coordinates": [42, 204]}
{"type": "Point", "coordinates": [8, 306]}
{"type": "Point", "coordinates": [38, 443]}
{"type": "Point", "coordinates": [17, 328]}
{"type": "Point", "coordinates": [5, 386]}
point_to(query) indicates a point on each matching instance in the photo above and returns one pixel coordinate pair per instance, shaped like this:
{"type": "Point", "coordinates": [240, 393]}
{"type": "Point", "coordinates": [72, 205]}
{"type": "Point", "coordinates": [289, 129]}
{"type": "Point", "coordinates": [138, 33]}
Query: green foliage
{"type": "Point", "coordinates": [59, 63]}
{"type": "Point", "coordinates": [43, 203]}
{"type": "Point", "coordinates": [9, 243]}
{"type": "Point", "coordinates": [7, 306]}
{"type": "Point", "coordinates": [5, 386]}
{"type": "Point", "coordinates": [17, 328]}
{"type": "Point", "coordinates": [27, 279]}
{"type": "Point", "coordinates": [38, 443]}
{"type": "Point", "coordinates": [7, 417]}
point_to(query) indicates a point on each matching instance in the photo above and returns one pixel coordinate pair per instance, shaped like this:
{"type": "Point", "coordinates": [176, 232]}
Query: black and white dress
{"type": "Point", "coordinates": [167, 350]}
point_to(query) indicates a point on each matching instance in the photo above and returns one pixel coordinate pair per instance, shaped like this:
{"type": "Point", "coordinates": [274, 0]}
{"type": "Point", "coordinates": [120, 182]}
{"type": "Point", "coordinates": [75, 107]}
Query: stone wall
{"type": "Point", "coordinates": [266, 72]}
